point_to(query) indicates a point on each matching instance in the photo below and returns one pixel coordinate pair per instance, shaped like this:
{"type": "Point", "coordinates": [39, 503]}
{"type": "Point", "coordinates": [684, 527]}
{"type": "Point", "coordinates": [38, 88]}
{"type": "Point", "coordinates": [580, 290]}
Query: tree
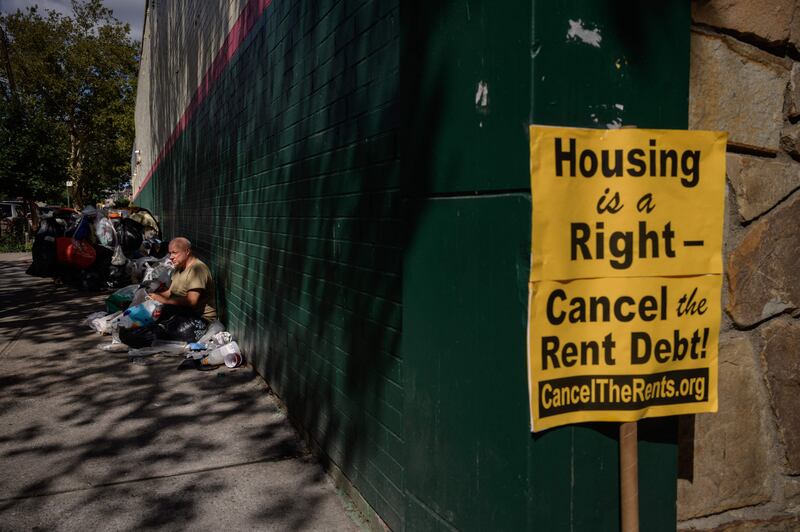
{"type": "Point", "coordinates": [67, 97]}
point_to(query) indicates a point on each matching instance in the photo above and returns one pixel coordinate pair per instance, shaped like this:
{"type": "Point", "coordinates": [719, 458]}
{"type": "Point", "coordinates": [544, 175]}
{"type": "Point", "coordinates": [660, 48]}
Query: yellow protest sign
{"type": "Point", "coordinates": [621, 349]}
{"type": "Point", "coordinates": [626, 202]}
{"type": "Point", "coordinates": [624, 299]}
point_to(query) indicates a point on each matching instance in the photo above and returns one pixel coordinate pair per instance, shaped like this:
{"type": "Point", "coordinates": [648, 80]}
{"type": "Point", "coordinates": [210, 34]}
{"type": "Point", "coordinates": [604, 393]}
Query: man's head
{"type": "Point", "coordinates": [180, 249]}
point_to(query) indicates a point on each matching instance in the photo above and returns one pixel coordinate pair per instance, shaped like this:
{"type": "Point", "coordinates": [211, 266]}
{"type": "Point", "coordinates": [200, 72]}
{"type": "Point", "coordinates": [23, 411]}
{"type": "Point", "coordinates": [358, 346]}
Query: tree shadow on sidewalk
{"type": "Point", "coordinates": [160, 442]}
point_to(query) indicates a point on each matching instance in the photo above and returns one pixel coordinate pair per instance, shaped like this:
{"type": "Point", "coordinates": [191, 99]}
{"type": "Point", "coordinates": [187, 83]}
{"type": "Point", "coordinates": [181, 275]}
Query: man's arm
{"type": "Point", "coordinates": [191, 299]}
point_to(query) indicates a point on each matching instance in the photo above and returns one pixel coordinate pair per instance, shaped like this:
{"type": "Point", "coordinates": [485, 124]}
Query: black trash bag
{"type": "Point", "coordinates": [93, 278]}
{"type": "Point", "coordinates": [68, 274]}
{"type": "Point", "coordinates": [45, 263]}
{"type": "Point", "coordinates": [177, 326]}
{"type": "Point", "coordinates": [41, 267]}
{"type": "Point", "coordinates": [129, 236]}
{"type": "Point", "coordinates": [71, 224]}
{"type": "Point", "coordinates": [102, 262]}
{"type": "Point", "coordinates": [117, 277]}
{"type": "Point", "coordinates": [137, 337]}
{"type": "Point", "coordinates": [91, 281]}
{"type": "Point", "coordinates": [154, 248]}
{"type": "Point", "coordinates": [161, 248]}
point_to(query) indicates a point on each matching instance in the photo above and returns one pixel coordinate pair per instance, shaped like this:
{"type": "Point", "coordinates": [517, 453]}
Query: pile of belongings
{"type": "Point", "coordinates": [97, 248]}
{"type": "Point", "coordinates": [140, 326]}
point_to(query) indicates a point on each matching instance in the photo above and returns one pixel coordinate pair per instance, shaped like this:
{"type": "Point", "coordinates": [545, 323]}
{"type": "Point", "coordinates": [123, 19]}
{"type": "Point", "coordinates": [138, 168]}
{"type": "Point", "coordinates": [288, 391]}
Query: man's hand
{"type": "Point", "coordinates": [191, 299]}
{"type": "Point", "coordinates": [159, 298]}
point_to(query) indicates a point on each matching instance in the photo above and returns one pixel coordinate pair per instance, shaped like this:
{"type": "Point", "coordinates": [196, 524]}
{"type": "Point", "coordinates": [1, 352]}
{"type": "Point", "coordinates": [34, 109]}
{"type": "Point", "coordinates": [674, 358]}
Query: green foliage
{"type": "Point", "coordinates": [67, 96]}
{"type": "Point", "coordinates": [10, 243]}
{"type": "Point", "coordinates": [15, 237]}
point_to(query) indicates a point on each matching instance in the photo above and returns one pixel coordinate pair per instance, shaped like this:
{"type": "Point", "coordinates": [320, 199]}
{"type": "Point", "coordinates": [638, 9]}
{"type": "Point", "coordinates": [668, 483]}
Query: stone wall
{"type": "Point", "coordinates": [740, 466]}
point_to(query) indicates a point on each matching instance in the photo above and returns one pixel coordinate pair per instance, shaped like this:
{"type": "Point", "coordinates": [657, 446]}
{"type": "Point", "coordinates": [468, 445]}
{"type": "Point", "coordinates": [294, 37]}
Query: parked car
{"type": "Point", "coordinates": [14, 209]}
{"type": "Point", "coordinates": [14, 216]}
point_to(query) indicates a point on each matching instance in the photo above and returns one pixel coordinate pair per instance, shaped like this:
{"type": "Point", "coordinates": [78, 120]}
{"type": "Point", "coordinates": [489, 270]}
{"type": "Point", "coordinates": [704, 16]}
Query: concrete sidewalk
{"type": "Point", "coordinates": [91, 440]}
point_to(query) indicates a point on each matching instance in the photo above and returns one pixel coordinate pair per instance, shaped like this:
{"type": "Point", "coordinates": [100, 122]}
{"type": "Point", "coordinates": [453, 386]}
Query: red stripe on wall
{"type": "Point", "coordinates": [241, 28]}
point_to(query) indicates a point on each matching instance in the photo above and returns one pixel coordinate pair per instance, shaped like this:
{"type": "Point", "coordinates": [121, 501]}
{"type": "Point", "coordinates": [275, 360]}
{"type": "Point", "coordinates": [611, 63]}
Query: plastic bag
{"type": "Point", "coordinates": [91, 317]}
{"type": "Point", "coordinates": [102, 262]}
{"type": "Point", "coordinates": [154, 247]}
{"type": "Point", "coordinates": [114, 347]}
{"type": "Point", "coordinates": [137, 268]}
{"type": "Point", "coordinates": [76, 253]}
{"type": "Point", "coordinates": [62, 243]}
{"type": "Point", "coordinates": [126, 292]}
{"type": "Point", "coordinates": [44, 249]}
{"type": "Point", "coordinates": [104, 229]}
{"type": "Point", "coordinates": [83, 254]}
{"type": "Point", "coordinates": [139, 297]}
{"type": "Point", "coordinates": [102, 323]}
{"type": "Point", "coordinates": [130, 236]}
{"type": "Point", "coordinates": [119, 258]}
{"type": "Point", "coordinates": [91, 281]}
{"type": "Point", "coordinates": [118, 277]}
{"type": "Point", "coordinates": [115, 330]}
{"type": "Point", "coordinates": [222, 338]}
{"type": "Point", "coordinates": [121, 299]}
{"type": "Point", "coordinates": [181, 327]}
{"type": "Point", "coordinates": [137, 337]}
{"type": "Point", "coordinates": [84, 227]}
{"type": "Point", "coordinates": [141, 315]}
{"type": "Point", "coordinates": [146, 220]}
{"type": "Point", "coordinates": [158, 278]}
{"type": "Point", "coordinates": [214, 327]}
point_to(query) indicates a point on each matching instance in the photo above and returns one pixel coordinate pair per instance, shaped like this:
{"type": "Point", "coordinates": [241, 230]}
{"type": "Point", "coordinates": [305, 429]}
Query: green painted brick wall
{"type": "Point", "coordinates": [349, 194]}
{"type": "Point", "coordinates": [472, 463]}
{"type": "Point", "coordinates": [287, 181]}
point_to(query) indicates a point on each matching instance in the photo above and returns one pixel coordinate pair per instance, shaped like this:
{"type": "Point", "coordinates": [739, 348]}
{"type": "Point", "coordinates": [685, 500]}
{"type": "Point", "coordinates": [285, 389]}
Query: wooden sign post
{"type": "Point", "coordinates": [629, 476]}
{"type": "Point", "coordinates": [625, 281]}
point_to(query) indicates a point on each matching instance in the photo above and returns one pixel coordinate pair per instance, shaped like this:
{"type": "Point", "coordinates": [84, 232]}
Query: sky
{"type": "Point", "coordinates": [130, 11]}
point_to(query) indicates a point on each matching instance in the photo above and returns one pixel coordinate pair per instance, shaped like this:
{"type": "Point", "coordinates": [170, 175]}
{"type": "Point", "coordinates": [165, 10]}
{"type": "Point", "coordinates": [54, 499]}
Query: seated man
{"type": "Point", "coordinates": [192, 289]}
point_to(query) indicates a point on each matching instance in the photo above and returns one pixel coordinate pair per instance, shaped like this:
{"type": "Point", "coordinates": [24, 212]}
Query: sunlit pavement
{"type": "Point", "coordinates": [91, 440]}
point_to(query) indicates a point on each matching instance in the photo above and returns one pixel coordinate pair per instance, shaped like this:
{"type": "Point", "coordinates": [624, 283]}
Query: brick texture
{"type": "Point", "coordinates": [286, 179]}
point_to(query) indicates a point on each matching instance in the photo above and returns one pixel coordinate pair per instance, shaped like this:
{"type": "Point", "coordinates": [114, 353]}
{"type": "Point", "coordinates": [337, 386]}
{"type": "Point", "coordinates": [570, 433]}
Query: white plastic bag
{"type": "Point", "coordinates": [139, 297]}
{"type": "Point", "coordinates": [104, 230]}
{"type": "Point", "coordinates": [158, 278]}
{"type": "Point", "coordinates": [114, 347]}
{"type": "Point", "coordinates": [102, 324]}
{"type": "Point", "coordinates": [119, 258]}
{"type": "Point", "coordinates": [215, 327]}
{"type": "Point", "coordinates": [136, 268]}
{"type": "Point", "coordinates": [91, 317]}
{"type": "Point", "coordinates": [222, 338]}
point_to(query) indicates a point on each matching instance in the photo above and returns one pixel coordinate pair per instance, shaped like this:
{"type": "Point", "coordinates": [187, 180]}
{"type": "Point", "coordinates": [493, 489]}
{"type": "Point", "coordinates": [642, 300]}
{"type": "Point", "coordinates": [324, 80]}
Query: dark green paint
{"type": "Point", "coordinates": [287, 181]}
{"type": "Point", "coordinates": [642, 63]}
{"type": "Point", "coordinates": [349, 193]}
{"type": "Point", "coordinates": [472, 463]}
